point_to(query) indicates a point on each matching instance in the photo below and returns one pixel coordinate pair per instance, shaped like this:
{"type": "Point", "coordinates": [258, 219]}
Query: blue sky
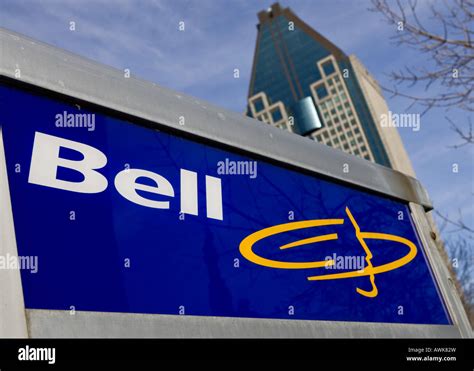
{"type": "Point", "coordinates": [220, 36]}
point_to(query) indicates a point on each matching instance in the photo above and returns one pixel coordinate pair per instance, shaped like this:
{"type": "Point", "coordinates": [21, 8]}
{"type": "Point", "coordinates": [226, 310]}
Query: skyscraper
{"type": "Point", "coordinates": [303, 83]}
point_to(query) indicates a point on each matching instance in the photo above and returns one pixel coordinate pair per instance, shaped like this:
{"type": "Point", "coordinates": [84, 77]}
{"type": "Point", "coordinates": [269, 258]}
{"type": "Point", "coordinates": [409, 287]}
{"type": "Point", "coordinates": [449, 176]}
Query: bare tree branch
{"type": "Point", "coordinates": [459, 224]}
{"type": "Point", "coordinates": [466, 136]}
{"type": "Point", "coordinates": [448, 61]}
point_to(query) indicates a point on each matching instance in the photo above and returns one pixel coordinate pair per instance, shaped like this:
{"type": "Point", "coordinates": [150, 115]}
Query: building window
{"type": "Point", "coordinates": [258, 104]}
{"type": "Point", "coordinates": [328, 68]}
{"type": "Point", "coordinates": [276, 115]}
{"type": "Point", "coordinates": [321, 91]}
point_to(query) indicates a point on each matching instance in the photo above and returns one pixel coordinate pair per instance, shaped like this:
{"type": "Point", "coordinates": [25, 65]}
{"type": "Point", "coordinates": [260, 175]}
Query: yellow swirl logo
{"type": "Point", "coordinates": [246, 249]}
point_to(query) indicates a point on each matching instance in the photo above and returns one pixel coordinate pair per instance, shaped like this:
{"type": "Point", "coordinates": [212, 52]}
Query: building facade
{"type": "Point", "coordinates": [303, 83]}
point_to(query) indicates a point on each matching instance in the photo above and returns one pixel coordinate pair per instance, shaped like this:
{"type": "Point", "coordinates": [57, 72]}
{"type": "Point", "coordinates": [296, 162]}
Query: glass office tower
{"type": "Point", "coordinates": [303, 83]}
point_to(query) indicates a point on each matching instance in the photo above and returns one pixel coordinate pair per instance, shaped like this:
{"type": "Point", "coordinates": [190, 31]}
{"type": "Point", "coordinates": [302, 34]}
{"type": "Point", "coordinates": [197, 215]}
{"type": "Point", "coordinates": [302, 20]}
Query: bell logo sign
{"type": "Point", "coordinates": [45, 161]}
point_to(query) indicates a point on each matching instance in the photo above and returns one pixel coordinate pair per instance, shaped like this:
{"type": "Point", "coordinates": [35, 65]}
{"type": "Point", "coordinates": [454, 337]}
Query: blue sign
{"type": "Point", "coordinates": [124, 218]}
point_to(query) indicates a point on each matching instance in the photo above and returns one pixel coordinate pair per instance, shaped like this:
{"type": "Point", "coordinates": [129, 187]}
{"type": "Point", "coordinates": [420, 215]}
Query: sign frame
{"type": "Point", "coordinates": [55, 72]}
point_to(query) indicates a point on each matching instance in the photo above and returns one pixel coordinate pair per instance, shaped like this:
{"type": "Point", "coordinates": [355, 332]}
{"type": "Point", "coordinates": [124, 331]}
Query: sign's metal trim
{"type": "Point", "coordinates": [12, 307]}
{"type": "Point", "coordinates": [440, 272]}
{"type": "Point", "coordinates": [56, 70]}
{"type": "Point", "coordinates": [63, 324]}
